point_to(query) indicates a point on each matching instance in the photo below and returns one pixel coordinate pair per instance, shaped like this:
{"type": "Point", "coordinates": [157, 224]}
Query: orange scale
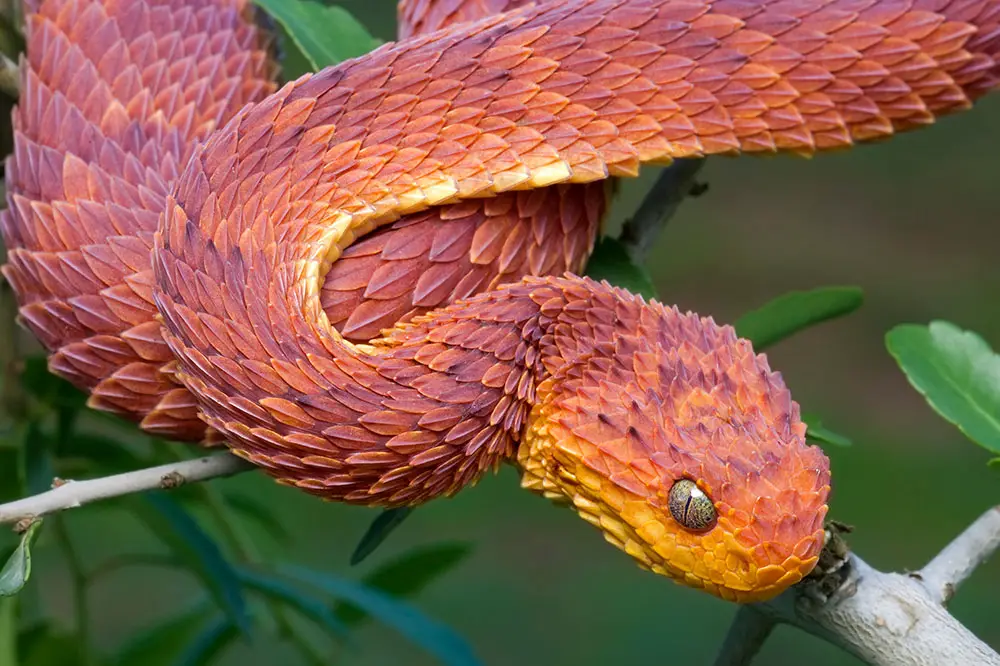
{"type": "Point", "coordinates": [875, 128]}
{"type": "Point", "coordinates": [861, 35]}
{"type": "Point", "coordinates": [779, 58]}
{"type": "Point", "coordinates": [915, 25]}
{"type": "Point", "coordinates": [865, 73]}
{"type": "Point", "coordinates": [834, 57]}
{"type": "Point", "coordinates": [832, 139]}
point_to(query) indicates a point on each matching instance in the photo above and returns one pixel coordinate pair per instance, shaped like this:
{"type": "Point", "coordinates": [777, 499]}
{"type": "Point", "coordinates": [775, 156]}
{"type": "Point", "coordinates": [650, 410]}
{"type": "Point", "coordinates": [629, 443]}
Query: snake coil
{"type": "Point", "coordinates": [365, 282]}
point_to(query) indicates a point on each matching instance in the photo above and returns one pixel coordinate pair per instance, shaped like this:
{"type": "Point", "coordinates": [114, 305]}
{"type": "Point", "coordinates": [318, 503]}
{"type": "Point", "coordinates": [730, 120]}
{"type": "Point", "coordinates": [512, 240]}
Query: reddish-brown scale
{"type": "Point", "coordinates": [390, 192]}
{"type": "Point", "coordinates": [430, 259]}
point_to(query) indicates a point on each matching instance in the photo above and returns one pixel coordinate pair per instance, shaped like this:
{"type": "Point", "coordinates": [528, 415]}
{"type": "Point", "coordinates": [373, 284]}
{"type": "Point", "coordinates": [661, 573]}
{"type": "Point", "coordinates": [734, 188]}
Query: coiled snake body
{"type": "Point", "coordinates": [364, 282]}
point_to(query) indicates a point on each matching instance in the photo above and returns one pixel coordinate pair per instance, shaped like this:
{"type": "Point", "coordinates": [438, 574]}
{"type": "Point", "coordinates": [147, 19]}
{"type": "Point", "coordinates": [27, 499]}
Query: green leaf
{"type": "Point", "coordinates": [178, 529]}
{"type": "Point", "coordinates": [957, 373]}
{"type": "Point", "coordinates": [994, 464]}
{"type": "Point", "coordinates": [160, 645]}
{"type": "Point", "coordinates": [611, 262]}
{"type": "Point", "coordinates": [432, 636]}
{"type": "Point", "coordinates": [101, 455]}
{"type": "Point", "coordinates": [815, 430]}
{"type": "Point", "coordinates": [8, 631]}
{"type": "Point", "coordinates": [795, 311]}
{"type": "Point", "coordinates": [17, 570]}
{"type": "Point", "coordinates": [51, 646]}
{"type": "Point", "coordinates": [280, 590]}
{"type": "Point", "coordinates": [208, 644]}
{"type": "Point", "coordinates": [49, 388]}
{"type": "Point", "coordinates": [36, 460]}
{"type": "Point", "coordinates": [260, 513]}
{"type": "Point", "coordinates": [408, 574]}
{"type": "Point", "coordinates": [11, 487]}
{"type": "Point", "coordinates": [325, 34]}
{"type": "Point", "coordinates": [383, 525]}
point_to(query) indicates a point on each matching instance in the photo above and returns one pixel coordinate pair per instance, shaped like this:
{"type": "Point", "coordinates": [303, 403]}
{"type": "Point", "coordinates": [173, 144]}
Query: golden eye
{"type": "Point", "coordinates": [691, 507]}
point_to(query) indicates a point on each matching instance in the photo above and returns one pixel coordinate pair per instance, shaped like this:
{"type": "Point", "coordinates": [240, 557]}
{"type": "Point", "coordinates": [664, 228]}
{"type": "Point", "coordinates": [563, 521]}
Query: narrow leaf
{"type": "Point", "coordinates": [162, 644]}
{"type": "Point", "coordinates": [432, 636]}
{"type": "Point", "coordinates": [17, 570]}
{"type": "Point", "coordinates": [408, 574]}
{"type": "Point", "coordinates": [792, 312]}
{"type": "Point", "coordinates": [54, 646]}
{"type": "Point", "coordinates": [611, 262]}
{"type": "Point", "coordinates": [383, 525]}
{"type": "Point", "coordinates": [179, 530]}
{"type": "Point", "coordinates": [208, 644]}
{"type": "Point", "coordinates": [8, 631]}
{"type": "Point", "coordinates": [815, 430]}
{"type": "Point", "coordinates": [994, 464]}
{"type": "Point", "coordinates": [325, 34]}
{"type": "Point", "coordinates": [957, 373]}
{"type": "Point", "coordinates": [280, 590]}
{"type": "Point", "coordinates": [100, 455]}
{"type": "Point", "coordinates": [260, 513]}
{"type": "Point", "coordinates": [36, 467]}
{"type": "Point", "coordinates": [11, 485]}
{"type": "Point", "coordinates": [49, 388]}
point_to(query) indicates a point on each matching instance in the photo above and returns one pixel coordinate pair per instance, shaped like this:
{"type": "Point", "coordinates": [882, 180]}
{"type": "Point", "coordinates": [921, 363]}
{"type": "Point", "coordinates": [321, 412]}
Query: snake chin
{"type": "Point", "coordinates": [683, 399]}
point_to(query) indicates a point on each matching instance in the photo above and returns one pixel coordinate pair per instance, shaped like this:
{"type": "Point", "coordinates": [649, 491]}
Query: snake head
{"type": "Point", "coordinates": [677, 441]}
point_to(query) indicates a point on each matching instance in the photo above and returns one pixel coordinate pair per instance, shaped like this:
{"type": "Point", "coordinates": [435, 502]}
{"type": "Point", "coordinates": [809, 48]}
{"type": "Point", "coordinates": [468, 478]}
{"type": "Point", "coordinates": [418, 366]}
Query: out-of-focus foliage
{"type": "Point", "coordinates": [957, 372]}
{"type": "Point", "coordinates": [795, 311]}
{"type": "Point", "coordinates": [203, 531]}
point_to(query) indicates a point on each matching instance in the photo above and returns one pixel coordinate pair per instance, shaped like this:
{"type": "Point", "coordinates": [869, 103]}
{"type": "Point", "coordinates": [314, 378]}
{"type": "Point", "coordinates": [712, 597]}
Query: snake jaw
{"type": "Point", "coordinates": [612, 434]}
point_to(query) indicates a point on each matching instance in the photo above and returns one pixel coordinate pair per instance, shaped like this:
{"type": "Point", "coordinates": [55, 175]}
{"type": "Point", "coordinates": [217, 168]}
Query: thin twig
{"type": "Point", "coordinates": [674, 184]}
{"type": "Point", "coordinates": [72, 494]}
{"type": "Point", "coordinates": [956, 562]}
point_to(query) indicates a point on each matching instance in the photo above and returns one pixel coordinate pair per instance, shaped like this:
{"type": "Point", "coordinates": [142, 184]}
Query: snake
{"type": "Point", "coordinates": [369, 281]}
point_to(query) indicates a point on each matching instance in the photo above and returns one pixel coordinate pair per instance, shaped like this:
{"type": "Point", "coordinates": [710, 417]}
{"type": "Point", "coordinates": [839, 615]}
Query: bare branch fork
{"type": "Point", "coordinates": [884, 619]}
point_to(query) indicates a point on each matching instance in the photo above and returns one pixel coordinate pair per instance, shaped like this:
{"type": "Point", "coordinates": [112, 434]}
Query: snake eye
{"type": "Point", "coordinates": [691, 507]}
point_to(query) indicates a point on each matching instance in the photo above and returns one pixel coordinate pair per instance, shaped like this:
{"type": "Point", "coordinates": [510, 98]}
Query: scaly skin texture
{"type": "Point", "coordinates": [439, 188]}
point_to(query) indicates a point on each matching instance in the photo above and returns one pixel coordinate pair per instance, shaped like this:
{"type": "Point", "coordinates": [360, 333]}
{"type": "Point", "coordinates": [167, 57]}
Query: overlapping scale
{"type": "Point", "coordinates": [370, 196]}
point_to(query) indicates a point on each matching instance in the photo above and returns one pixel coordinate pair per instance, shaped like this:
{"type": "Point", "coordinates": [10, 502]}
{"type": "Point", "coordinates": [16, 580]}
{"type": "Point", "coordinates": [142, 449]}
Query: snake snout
{"type": "Point", "coordinates": [688, 453]}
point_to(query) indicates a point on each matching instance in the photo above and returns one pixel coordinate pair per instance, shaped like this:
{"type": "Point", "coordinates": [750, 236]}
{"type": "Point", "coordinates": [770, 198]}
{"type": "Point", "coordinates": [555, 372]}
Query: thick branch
{"type": "Point", "coordinates": [72, 494]}
{"type": "Point", "coordinates": [885, 619]}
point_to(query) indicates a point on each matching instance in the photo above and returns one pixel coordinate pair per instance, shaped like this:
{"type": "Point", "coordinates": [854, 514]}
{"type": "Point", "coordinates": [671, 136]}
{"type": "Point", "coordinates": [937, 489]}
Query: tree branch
{"type": "Point", "coordinates": [949, 569]}
{"type": "Point", "coordinates": [746, 637]}
{"type": "Point", "coordinates": [73, 494]}
{"type": "Point", "coordinates": [674, 184]}
{"type": "Point", "coordinates": [885, 619]}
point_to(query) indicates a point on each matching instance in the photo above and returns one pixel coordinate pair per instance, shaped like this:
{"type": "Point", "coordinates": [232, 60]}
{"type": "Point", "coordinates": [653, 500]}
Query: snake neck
{"type": "Point", "coordinates": [420, 413]}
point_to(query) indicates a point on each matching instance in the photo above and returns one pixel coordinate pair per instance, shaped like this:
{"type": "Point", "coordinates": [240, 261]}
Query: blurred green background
{"type": "Point", "coordinates": [912, 221]}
